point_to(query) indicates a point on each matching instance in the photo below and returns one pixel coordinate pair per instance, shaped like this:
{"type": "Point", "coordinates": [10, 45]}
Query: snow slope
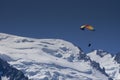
{"type": "Point", "coordinates": [48, 59]}
{"type": "Point", "coordinates": [106, 61]}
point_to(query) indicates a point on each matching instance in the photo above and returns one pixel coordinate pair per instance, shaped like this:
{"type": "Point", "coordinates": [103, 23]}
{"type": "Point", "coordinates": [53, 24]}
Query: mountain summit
{"type": "Point", "coordinates": [53, 59]}
{"type": "Point", "coordinates": [109, 62]}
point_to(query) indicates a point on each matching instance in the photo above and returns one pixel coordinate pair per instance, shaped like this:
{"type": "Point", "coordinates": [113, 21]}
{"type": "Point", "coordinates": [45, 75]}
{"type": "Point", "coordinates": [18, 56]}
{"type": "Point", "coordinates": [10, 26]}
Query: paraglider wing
{"type": "Point", "coordinates": [89, 27]}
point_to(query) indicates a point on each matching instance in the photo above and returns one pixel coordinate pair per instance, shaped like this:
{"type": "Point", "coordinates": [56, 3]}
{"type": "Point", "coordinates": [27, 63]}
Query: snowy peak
{"type": "Point", "coordinates": [101, 53]}
{"type": "Point", "coordinates": [54, 47]}
{"type": "Point", "coordinates": [101, 56]}
{"type": "Point", "coordinates": [107, 62]}
{"type": "Point", "coordinates": [49, 59]}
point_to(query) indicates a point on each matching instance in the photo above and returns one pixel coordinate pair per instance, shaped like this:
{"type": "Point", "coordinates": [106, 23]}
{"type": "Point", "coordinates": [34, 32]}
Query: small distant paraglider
{"type": "Point", "coordinates": [86, 26]}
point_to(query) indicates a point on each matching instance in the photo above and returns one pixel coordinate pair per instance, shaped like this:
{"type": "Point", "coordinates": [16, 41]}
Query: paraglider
{"type": "Point", "coordinates": [86, 26]}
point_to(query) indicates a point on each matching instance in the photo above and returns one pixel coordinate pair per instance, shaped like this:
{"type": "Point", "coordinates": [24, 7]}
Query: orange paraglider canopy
{"type": "Point", "coordinates": [89, 27]}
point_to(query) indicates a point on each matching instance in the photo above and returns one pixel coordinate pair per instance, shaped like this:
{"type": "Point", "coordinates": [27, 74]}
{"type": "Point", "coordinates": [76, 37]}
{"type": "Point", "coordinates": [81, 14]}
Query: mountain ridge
{"type": "Point", "coordinates": [49, 59]}
{"type": "Point", "coordinates": [108, 62]}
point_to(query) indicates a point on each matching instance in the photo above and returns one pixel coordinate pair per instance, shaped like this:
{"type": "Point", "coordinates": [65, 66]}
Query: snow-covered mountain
{"type": "Point", "coordinates": [109, 62]}
{"type": "Point", "coordinates": [50, 59]}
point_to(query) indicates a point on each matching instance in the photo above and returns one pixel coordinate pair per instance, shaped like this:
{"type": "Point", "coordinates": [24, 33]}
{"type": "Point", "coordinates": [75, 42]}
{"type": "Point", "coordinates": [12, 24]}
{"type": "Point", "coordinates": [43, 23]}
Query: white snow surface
{"type": "Point", "coordinates": [47, 59]}
{"type": "Point", "coordinates": [4, 78]}
{"type": "Point", "coordinates": [106, 61]}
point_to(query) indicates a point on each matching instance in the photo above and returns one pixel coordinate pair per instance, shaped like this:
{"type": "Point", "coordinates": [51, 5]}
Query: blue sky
{"type": "Point", "coordinates": [61, 19]}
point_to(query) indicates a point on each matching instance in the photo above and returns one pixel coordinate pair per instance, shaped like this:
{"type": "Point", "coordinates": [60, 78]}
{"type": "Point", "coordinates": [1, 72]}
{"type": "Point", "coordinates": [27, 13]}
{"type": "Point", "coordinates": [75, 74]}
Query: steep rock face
{"type": "Point", "coordinates": [10, 72]}
{"type": "Point", "coordinates": [117, 58]}
{"type": "Point", "coordinates": [107, 62]}
{"type": "Point", "coordinates": [49, 59]}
